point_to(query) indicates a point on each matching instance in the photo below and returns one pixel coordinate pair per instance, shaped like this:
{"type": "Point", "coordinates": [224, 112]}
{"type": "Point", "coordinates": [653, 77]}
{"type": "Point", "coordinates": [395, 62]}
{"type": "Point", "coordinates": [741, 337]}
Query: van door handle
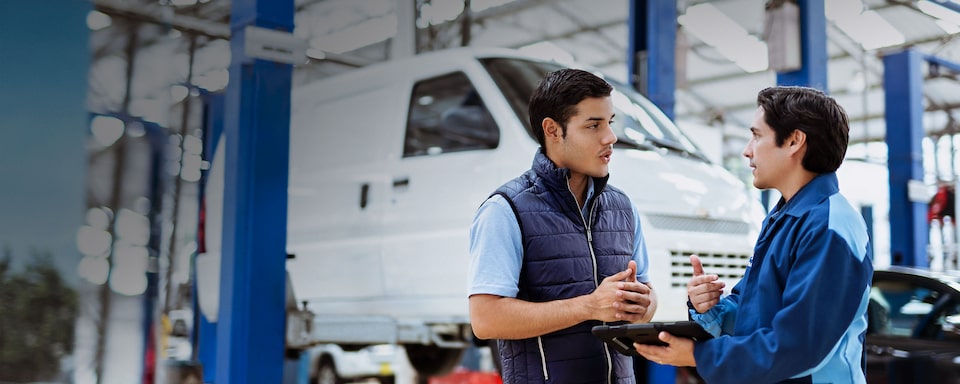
{"type": "Point", "coordinates": [364, 193]}
{"type": "Point", "coordinates": [399, 183]}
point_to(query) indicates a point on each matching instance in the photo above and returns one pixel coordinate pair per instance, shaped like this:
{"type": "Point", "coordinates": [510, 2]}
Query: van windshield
{"type": "Point", "coordinates": [640, 124]}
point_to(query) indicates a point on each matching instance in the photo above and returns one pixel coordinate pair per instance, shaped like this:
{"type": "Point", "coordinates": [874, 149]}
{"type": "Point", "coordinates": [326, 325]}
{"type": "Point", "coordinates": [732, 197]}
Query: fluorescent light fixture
{"type": "Point", "coordinates": [316, 54]}
{"type": "Point", "coordinates": [871, 30]}
{"type": "Point", "coordinates": [178, 93]}
{"type": "Point", "coordinates": [867, 28]}
{"type": "Point", "coordinates": [479, 5]}
{"type": "Point", "coordinates": [99, 217]}
{"type": "Point", "coordinates": [358, 35]}
{"type": "Point", "coordinates": [548, 51]}
{"type": "Point", "coordinates": [97, 20]}
{"type": "Point", "coordinates": [936, 10]}
{"type": "Point", "coordinates": [94, 269]}
{"type": "Point", "coordinates": [948, 27]}
{"type": "Point", "coordinates": [707, 23]}
{"type": "Point", "coordinates": [214, 80]}
{"type": "Point", "coordinates": [93, 241]}
{"type": "Point", "coordinates": [439, 11]}
{"type": "Point", "coordinates": [106, 129]}
{"type": "Point", "coordinates": [841, 9]}
{"type": "Point", "coordinates": [127, 282]}
{"type": "Point", "coordinates": [857, 83]}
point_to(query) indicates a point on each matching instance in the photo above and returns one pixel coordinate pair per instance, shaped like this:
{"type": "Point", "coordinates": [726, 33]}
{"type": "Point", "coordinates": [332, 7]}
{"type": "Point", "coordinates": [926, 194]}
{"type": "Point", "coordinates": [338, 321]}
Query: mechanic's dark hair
{"type": "Point", "coordinates": [786, 108]}
{"type": "Point", "coordinates": [557, 97]}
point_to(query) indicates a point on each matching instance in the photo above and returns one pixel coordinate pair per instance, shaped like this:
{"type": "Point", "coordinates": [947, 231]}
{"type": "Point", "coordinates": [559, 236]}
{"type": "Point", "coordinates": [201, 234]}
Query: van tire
{"type": "Point", "coordinates": [327, 373]}
{"type": "Point", "coordinates": [431, 360]}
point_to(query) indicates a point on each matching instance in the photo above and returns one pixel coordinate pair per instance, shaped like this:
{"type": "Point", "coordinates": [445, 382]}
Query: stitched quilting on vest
{"type": "Point", "coordinates": [559, 263]}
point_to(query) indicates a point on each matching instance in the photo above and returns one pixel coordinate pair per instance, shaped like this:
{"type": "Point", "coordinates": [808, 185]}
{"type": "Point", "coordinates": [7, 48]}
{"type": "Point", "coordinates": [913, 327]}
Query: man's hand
{"type": "Point", "coordinates": [678, 353]}
{"type": "Point", "coordinates": [622, 297]}
{"type": "Point", "coordinates": [703, 290]}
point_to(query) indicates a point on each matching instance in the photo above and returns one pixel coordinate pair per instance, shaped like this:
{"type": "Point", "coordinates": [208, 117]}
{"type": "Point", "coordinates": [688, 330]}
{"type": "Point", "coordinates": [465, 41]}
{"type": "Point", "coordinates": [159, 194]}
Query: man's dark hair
{"type": "Point", "coordinates": [557, 97]}
{"type": "Point", "coordinates": [825, 123]}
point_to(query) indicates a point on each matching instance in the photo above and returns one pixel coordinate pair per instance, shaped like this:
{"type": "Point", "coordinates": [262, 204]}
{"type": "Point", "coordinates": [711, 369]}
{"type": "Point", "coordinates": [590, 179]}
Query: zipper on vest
{"type": "Point", "coordinates": [596, 284]}
{"type": "Point", "coordinates": [593, 255]}
{"type": "Point", "coordinates": [543, 358]}
{"type": "Point", "coordinates": [596, 281]}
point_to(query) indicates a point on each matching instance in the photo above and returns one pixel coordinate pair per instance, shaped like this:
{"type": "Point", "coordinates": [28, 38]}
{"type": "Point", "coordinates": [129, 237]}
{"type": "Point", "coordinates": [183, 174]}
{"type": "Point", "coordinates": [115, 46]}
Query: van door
{"type": "Point", "coordinates": [337, 192]}
{"type": "Point", "coordinates": [446, 170]}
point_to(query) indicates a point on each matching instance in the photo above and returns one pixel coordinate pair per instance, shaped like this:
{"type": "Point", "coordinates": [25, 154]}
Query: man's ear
{"type": "Point", "coordinates": [551, 129]}
{"type": "Point", "coordinates": [797, 139]}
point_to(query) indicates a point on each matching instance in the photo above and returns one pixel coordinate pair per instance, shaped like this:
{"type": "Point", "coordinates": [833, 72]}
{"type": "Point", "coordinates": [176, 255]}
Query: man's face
{"type": "Point", "coordinates": [588, 145]}
{"type": "Point", "coordinates": [768, 161]}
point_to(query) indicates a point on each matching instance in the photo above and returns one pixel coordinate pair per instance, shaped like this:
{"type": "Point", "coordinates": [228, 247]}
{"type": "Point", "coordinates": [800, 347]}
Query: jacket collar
{"type": "Point", "coordinates": [556, 178]}
{"type": "Point", "coordinates": [818, 189]}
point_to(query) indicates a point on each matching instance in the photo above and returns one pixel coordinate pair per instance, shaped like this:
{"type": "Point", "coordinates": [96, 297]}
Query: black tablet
{"type": "Point", "coordinates": [622, 337]}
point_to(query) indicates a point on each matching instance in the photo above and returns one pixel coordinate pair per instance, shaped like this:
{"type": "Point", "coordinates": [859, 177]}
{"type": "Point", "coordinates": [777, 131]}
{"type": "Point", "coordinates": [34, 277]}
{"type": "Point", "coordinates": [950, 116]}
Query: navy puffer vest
{"type": "Point", "coordinates": [558, 263]}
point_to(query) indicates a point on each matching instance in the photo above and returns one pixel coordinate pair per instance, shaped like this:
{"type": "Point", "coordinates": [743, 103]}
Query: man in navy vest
{"type": "Point", "coordinates": [798, 315]}
{"type": "Point", "coordinates": [557, 250]}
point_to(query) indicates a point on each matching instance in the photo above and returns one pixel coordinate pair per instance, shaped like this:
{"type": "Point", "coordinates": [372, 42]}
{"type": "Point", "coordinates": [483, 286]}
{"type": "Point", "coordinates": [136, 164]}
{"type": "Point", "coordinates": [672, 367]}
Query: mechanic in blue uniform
{"type": "Point", "coordinates": [557, 250]}
{"type": "Point", "coordinates": [798, 315]}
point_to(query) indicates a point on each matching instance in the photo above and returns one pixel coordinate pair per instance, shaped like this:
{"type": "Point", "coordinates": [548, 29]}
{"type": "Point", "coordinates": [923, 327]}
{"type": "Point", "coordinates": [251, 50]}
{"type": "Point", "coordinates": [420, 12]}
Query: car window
{"type": "Point", "coordinates": [909, 310]}
{"type": "Point", "coordinates": [447, 115]}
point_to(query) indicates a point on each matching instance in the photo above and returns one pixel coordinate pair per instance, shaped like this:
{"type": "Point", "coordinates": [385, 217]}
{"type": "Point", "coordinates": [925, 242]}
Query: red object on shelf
{"type": "Point", "coordinates": [465, 376]}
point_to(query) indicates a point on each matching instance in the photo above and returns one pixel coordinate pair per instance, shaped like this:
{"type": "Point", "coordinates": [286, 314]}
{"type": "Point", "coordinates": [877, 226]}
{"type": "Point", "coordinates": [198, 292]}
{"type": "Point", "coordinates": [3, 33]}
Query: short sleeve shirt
{"type": "Point", "coordinates": [496, 249]}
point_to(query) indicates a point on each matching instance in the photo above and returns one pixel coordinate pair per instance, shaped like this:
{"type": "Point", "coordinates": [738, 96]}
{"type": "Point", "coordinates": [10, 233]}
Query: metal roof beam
{"type": "Point", "coordinates": [156, 14]}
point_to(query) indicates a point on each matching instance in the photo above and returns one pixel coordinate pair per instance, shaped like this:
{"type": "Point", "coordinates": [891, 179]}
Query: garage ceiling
{"type": "Point", "coordinates": [343, 34]}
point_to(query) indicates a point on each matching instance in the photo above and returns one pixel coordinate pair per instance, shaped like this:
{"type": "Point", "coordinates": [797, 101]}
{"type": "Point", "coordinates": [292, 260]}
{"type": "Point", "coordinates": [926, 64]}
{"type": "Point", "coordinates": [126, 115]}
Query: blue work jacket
{"type": "Point", "coordinates": [799, 312]}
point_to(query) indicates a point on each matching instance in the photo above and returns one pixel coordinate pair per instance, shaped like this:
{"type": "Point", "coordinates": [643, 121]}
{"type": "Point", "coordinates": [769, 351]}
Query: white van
{"type": "Point", "coordinates": [388, 164]}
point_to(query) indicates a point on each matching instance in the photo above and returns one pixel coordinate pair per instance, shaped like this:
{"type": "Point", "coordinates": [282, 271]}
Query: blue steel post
{"type": "Point", "coordinates": [813, 57]}
{"type": "Point", "coordinates": [651, 54]}
{"type": "Point", "coordinates": [903, 106]}
{"type": "Point", "coordinates": [251, 320]}
{"type": "Point", "coordinates": [651, 62]}
{"type": "Point", "coordinates": [204, 333]}
{"type": "Point", "coordinates": [813, 48]}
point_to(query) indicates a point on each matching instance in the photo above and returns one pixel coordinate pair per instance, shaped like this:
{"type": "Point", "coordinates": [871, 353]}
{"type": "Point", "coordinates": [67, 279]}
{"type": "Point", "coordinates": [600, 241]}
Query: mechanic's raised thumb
{"type": "Point", "coordinates": [697, 265]}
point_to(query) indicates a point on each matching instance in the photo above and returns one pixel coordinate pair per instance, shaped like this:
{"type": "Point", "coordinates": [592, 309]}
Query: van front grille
{"type": "Point", "coordinates": [728, 266]}
{"type": "Point", "coordinates": [693, 224]}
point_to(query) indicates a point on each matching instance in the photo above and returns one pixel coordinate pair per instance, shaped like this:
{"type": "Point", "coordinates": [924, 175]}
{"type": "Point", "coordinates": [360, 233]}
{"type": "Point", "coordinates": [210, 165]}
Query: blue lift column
{"type": "Point", "coordinates": [204, 335]}
{"type": "Point", "coordinates": [251, 320]}
{"type": "Point", "coordinates": [813, 56]}
{"type": "Point", "coordinates": [651, 62]}
{"type": "Point", "coordinates": [813, 48]}
{"type": "Point", "coordinates": [903, 106]}
{"type": "Point", "coordinates": [651, 51]}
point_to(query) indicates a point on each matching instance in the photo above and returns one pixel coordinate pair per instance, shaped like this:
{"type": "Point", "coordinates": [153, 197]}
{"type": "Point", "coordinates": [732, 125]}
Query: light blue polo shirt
{"type": "Point", "coordinates": [496, 248]}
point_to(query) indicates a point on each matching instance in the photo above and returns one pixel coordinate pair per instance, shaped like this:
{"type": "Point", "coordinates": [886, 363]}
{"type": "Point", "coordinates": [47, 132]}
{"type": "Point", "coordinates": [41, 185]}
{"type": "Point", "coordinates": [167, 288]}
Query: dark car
{"type": "Point", "coordinates": [913, 332]}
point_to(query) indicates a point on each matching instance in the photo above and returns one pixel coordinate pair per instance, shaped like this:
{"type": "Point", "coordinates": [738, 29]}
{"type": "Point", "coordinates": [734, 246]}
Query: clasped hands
{"type": "Point", "coordinates": [620, 297]}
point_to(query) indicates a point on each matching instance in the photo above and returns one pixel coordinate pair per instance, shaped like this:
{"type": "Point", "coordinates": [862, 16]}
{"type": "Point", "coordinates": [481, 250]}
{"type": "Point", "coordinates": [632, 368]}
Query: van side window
{"type": "Point", "coordinates": [447, 115]}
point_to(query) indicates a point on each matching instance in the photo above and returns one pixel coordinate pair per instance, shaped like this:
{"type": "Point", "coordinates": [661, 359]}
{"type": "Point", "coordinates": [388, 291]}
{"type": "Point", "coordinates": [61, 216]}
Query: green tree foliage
{"type": "Point", "coordinates": [37, 314]}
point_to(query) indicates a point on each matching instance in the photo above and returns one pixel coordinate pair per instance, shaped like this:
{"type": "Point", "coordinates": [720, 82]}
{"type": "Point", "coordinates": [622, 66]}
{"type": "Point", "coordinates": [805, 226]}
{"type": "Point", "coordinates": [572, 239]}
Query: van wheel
{"type": "Point", "coordinates": [431, 360]}
{"type": "Point", "coordinates": [327, 373]}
